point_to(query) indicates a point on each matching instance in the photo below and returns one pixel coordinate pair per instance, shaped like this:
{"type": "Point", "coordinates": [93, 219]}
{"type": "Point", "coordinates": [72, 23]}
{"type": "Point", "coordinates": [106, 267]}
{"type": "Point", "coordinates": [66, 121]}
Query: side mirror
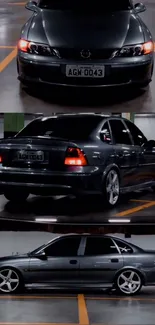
{"type": "Point", "coordinates": [41, 255]}
{"type": "Point", "coordinates": [32, 6]}
{"type": "Point", "coordinates": [150, 144]}
{"type": "Point", "coordinates": [139, 7]}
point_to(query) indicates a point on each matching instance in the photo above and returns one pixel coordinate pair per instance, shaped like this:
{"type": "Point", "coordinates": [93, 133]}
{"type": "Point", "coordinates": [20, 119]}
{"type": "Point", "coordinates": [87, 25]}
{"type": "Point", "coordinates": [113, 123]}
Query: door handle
{"type": "Point", "coordinates": [73, 261]}
{"type": "Point", "coordinates": [114, 260]}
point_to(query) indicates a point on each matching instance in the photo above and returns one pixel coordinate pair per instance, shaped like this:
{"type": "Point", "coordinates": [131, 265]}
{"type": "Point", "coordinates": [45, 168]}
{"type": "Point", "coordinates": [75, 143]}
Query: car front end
{"type": "Point", "coordinates": [56, 48]}
{"type": "Point", "coordinates": [67, 67]}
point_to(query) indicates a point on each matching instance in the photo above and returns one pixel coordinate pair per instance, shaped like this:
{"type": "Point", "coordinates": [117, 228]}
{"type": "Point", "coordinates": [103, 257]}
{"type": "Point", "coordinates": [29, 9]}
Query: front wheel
{"type": "Point", "coordinates": [129, 282]}
{"type": "Point", "coordinates": [15, 195]}
{"type": "Point", "coordinates": [10, 281]}
{"type": "Point", "coordinates": [111, 188]}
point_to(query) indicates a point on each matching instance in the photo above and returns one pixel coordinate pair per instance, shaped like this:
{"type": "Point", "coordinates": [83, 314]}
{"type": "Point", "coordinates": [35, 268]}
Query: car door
{"type": "Point", "coordinates": [60, 263]}
{"type": "Point", "coordinates": [146, 154]}
{"type": "Point", "coordinates": [100, 261]}
{"type": "Point", "coordinates": [126, 155]}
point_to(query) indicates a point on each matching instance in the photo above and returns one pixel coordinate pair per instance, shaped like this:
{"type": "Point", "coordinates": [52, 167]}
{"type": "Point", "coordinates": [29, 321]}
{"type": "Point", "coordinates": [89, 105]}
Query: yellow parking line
{"type": "Point", "coordinates": [121, 298]}
{"type": "Point", "coordinates": [7, 47]}
{"type": "Point", "coordinates": [83, 313]}
{"type": "Point", "coordinates": [135, 200]}
{"type": "Point", "coordinates": [8, 59]}
{"type": "Point", "coordinates": [136, 209]}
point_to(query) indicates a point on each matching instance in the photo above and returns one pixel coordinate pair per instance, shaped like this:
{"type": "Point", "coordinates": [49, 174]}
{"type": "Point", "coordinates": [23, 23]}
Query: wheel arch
{"type": "Point", "coordinates": [17, 270]}
{"type": "Point", "coordinates": [128, 268]}
{"type": "Point", "coordinates": [107, 170]}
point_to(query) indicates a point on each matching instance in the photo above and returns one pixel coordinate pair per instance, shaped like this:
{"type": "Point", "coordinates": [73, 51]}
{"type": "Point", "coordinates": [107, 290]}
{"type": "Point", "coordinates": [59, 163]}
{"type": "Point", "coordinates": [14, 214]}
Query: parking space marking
{"type": "Point", "coordinates": [136, 200]}
{"type": "Point", "coordinates": [83, 313]}
{"type": "Point", "coordinates": [120, 298]}
{"type": "Point", "coordinates": [135, 209]}
{"type": "Point", "coordinates": [8, 59]}
{"type": "Point", "coordinates": [7, 47]}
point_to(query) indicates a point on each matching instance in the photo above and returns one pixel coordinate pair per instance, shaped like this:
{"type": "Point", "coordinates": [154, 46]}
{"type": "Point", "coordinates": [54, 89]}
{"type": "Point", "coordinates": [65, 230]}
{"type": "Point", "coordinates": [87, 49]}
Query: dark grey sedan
{"type": "Point", "coordinates": [76, 154]}
{"type": "Point", "coordinates": [86, 44]}
{"type": "Point", "coordinates": [80, 261]}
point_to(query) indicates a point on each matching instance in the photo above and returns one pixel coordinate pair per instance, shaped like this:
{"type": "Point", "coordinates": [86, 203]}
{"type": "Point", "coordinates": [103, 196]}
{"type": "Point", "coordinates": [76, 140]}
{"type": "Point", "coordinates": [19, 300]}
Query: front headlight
{"type": "Point", "coordinates": [37, 49]}
{"type": "Point", "coordinates": [135, 50]}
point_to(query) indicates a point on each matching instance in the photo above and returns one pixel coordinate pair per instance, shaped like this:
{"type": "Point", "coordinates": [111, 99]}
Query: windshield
{"type": "Point", "coordinates": [67, 127]}
{"type": "Point", "coordinates": [98, 5]}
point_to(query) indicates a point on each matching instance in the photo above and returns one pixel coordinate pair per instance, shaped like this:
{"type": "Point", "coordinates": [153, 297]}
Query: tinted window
{"type": "Point", "coordinates": [64, 247]}
{"type": "Point", "coordinates": [124, 248]}
{"type": "Point", "coordinates": [137, 135]}
{"type": "Point", "coordinates": [119, 132]}
{"type": "Point", "coordinates": [99, 246]}
{"type": "Point", "coordinates": [88, 4]}
{"type": "Point", "coordinates": [105, 133]}
{"type": "Point", "coordinates": [67, 127]}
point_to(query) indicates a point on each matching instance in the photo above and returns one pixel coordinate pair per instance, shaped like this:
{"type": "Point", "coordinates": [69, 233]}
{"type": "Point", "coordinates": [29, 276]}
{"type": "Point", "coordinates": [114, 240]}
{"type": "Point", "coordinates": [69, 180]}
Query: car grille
{"type": "Point", "coordinates": [73, 54]}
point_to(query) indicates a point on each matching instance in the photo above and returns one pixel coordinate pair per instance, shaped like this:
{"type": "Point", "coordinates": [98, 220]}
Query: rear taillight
{"type": "Point", "coordinates": [75, 157]}
{"type": "Point", "coordinates": [1, 159]}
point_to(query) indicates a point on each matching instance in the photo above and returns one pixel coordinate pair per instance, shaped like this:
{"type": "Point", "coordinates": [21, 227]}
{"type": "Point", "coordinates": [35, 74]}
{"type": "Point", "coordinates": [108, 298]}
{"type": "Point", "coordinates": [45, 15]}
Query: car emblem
{"type": "Point", "coordinates": [85, 54]}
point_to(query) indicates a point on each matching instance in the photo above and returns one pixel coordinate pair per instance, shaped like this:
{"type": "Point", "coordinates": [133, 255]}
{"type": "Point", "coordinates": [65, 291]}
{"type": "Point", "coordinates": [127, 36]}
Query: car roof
{"type": "Point", "coordinates": [84, 234]}
{"type": "Point", "coordinates": [78, 115]}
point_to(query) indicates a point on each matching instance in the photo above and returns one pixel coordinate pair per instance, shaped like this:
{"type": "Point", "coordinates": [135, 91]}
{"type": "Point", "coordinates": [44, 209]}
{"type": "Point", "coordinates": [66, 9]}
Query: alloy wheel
{"type": "Point", "coordinates": [129, 282]}
{"type": "Point", "coordinates": [9, 280]}
{"type": "Point", "coordinates": [112, 187]}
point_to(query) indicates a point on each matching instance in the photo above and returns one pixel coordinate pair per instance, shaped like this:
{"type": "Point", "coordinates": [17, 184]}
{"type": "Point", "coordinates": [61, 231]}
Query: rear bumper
{"type": "Point", "coordinates": [49, 182]}
{"type": "Point", "coordinates": [117, 73]}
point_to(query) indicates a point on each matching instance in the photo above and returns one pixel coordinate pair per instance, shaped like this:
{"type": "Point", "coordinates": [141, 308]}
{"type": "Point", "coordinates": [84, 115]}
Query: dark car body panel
{"type": "Point", "coordinates": [88, 271]}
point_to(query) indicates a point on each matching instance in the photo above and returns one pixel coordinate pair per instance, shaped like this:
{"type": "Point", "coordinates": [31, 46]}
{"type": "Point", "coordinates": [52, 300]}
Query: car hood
{"type": "Point", "coordinates": [13, 257]}
{"type": "Point", "coordinates": [79, 30]}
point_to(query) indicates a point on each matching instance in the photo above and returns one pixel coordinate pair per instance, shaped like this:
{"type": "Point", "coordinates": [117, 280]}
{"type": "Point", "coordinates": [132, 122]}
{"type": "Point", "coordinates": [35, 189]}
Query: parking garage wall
{"type": "Point", "coordinates": [146, 124]}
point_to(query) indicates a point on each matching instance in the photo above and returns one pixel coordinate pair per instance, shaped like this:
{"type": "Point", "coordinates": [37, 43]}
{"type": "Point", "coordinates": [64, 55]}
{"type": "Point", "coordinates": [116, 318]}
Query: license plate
{"type": "Point", "coordinates": [85, 71]}
{"type": "Point", "coordinates": [30, 156]}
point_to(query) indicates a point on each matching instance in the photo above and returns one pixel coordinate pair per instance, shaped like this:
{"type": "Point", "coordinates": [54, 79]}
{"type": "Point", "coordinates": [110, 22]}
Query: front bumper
{"type": "Point", "coordinates": [118, 72]}
{"type": "Point", "coordinates": [42, 182]}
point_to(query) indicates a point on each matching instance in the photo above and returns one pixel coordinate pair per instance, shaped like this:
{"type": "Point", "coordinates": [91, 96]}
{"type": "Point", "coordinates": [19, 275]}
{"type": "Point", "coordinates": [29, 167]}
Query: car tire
{"type": "Point", "coordinates": [15, 195]}
{"type": "Point", "coordinates": [11, 281]}
{"type": "Point", "coordinates": [111, 188]}
{"type": "Point", "coordinates": [128, 282]}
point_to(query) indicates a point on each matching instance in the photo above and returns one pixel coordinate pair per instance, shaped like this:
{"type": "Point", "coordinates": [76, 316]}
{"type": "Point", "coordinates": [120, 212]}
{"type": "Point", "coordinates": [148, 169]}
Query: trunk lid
{"type": "Point", "coordinates": [36, 152]}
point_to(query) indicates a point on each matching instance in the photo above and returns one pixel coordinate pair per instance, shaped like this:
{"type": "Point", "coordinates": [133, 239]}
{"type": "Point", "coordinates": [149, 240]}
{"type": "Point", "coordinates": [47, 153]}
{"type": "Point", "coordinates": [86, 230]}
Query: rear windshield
{"type": "Point", "coordinates": [97, 5]}
{"type": "Point", "coordinates": [73, 128]}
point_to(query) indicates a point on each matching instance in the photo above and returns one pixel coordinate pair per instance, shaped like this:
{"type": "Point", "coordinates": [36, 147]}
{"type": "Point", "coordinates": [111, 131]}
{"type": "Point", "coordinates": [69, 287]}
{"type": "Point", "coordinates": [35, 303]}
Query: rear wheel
{"type": "Point", "coordinates": [10, 281]}
{"type": "Point", "coordinates": [129, 282]}
{"type": "Point", "coordinates": [111, 188]}
{"type": "Point", "coordinates": [16, 195]}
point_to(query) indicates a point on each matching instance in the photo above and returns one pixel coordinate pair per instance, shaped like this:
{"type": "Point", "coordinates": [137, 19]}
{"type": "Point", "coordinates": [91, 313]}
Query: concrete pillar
{"type": "Point", "coordinates": [13, 123]}
{"type": "Point", "coordinates": [129, 116]}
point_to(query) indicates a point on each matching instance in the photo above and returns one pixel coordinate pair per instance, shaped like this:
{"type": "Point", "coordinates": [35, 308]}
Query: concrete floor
{"type": "Point", "coordinates": [138, 206]}
{"type": "Point", "coordinates": [81, 309]}
{"type": "Point", "coordinates": [14, 99]}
